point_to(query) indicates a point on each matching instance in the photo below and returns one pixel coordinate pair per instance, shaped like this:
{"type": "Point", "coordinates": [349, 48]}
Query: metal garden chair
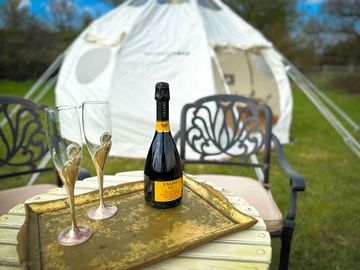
{"type": "Point", "coordinates": [23, 148]}
{"type": "Point", "coordinates": [236, 129]}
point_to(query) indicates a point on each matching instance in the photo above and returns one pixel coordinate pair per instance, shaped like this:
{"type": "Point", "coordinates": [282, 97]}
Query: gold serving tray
{"type": "Point", "coordinates": [138, 235]}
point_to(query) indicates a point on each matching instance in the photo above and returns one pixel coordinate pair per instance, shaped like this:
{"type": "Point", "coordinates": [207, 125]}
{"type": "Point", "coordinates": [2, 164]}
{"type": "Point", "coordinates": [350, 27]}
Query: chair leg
{"type": "Point", "coordinates": [286, 237]}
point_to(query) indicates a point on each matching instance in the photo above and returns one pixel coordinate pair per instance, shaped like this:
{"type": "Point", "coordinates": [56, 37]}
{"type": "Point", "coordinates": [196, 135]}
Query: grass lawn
{"type": "Point", "coordinates": [327, 235]}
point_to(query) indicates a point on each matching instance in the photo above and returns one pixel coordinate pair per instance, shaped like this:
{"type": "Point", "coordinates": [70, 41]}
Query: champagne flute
{"type": "Point", "coordinates": [64, 138]}
{"type": "Point", "coordinates": [97, 131]}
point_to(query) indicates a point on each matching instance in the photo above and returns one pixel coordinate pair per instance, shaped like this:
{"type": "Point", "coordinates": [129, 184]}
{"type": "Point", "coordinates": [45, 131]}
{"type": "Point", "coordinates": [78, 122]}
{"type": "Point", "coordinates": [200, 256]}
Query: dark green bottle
{"type": "Point", "coordinates": [163, 181]}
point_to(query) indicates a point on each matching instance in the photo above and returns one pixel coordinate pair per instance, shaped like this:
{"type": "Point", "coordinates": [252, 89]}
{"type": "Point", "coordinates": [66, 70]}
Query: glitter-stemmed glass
{"type": "Point", "coordinates": [97, 131]}
{"type": "Point", "coordinates": [64, 138]}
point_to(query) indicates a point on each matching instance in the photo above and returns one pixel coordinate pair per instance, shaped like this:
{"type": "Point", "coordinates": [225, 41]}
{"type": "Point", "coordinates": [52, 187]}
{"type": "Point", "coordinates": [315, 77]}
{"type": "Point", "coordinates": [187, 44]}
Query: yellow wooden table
{"type": "Point", "coordinates": [249, 249]}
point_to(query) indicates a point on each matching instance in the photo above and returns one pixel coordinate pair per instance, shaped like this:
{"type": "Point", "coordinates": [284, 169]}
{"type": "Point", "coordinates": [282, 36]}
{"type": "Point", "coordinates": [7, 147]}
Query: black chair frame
{"type": "Point", "coordinates": [27, 140]}
{"type": "Point", "coordinates": [244, 122]}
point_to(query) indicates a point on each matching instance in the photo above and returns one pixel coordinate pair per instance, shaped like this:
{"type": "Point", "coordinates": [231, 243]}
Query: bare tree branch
{"type": "Point", "coordinates": [341, 17]}
{"type": "Point", "coordinates": [62, 14]}
{"type": "Point", "coordinates": [14, 15]}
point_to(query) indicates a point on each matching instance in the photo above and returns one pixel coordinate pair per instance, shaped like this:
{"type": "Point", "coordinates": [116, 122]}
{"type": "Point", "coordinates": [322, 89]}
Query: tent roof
{"type": "Point", "coordinates": [222, 26]}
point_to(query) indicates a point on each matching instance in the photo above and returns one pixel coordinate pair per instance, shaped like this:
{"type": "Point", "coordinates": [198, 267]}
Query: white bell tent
{"type": "Point", "coordinates": [201, 47]}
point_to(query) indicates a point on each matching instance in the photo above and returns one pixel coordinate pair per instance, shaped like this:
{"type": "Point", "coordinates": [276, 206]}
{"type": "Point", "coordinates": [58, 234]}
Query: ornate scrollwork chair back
{"type": "Point", "coordinates": [22, 149]}
{"type": "Point", "coordinates": [231, 130]}
{"type": "Point", "coordinates": [22, 135]}
{"type": "Point", "coordinates": [226, 126]}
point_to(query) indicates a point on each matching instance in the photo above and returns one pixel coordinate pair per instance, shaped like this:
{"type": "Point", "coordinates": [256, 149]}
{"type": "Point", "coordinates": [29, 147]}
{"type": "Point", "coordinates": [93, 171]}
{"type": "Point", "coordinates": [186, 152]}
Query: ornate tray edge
{"type": "Point", "coordinates": [217, 201]}
{"type": "Point", "coordinates": [205, 191]}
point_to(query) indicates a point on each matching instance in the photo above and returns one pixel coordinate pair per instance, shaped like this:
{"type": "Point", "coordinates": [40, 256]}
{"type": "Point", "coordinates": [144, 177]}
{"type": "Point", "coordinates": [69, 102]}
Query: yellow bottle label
{"type": "Point", "coordinates": [166, 191]}
{"type": "Point", "coordinates": [162, 126]}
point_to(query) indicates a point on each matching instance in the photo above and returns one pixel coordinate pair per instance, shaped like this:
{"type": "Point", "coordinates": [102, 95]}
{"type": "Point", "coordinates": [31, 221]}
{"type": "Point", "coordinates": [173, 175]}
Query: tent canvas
{"type": "Point", "coordinates": [201, 47]}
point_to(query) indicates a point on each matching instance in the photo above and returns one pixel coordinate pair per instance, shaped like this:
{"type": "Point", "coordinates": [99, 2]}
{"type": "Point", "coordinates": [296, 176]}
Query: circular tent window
{"type": "Point", "coordinates": [91, 64]}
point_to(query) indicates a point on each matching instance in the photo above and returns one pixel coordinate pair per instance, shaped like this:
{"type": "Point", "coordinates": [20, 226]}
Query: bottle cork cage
{"type": "Point", "coordinates": [136, 236]}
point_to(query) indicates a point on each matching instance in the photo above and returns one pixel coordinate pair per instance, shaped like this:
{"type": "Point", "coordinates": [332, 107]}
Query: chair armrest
{"type": "Point", "coordinates": [297, 182]}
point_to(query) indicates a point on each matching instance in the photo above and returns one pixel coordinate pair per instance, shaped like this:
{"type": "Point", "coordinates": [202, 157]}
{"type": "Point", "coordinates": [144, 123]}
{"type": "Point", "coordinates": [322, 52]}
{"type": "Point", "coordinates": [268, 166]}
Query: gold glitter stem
{"type": "Point", "coordinates": [100, 176]}
{"type": "Point", "coordinates": [70, 192]}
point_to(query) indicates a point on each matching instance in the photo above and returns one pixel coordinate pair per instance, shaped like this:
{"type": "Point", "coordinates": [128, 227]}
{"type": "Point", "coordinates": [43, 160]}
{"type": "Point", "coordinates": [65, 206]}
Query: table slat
{"type": "Point", "coordinates": [138, 174]}
{"type": "Point", "coordinates": [237, 200]}
{"type": "Point", "coordinates": [247, 237]}
{"type": "Point", "coordinates": [8, 267]}
{"type": "Point", "coordinates": [8, 236]}
{"type": "Point", "coordinates": [45, 197]}
{"type": "Point", "coordinates": [118, 178]}
{"type": "Point", "coordinates": [94, 185]}
{"type": "Point", "coordinates": [17, 210]}
{"type": "Point", "coordinates": [62, 191]}
{"type": "Point", "coordinates": [188, 263]}
{"type": "Point", "coordinates": [248, 210]}
{"type": "Point", "coordinates": [7, 255]}
{"type": "Point", "coordinates": [11, 221]}
{"type": "Point", "coordinates": [221, 251]}
{"type": "Point", "coordinates": [259, 226]}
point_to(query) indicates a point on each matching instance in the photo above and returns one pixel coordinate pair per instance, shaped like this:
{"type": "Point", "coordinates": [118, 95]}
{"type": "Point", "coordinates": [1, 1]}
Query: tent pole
{"type": "Point", "coordinates": [315, 89]}
{"type": "Point", "coordinates": [339, 111]}
{"type": "Point", "coordinates": [36, 86]}
{"type": "Point", "coordinates": [50, 83]}
{"type": "Point", "coordinates": [259, 173]}
{"type": "Point", "coordinates": [221, 73]}
{"type": "Point", "coordinates": [251, 75]}
{"type": "Point", "coordinates": [46, 75]}
{"type": "Point", "coordinates": [44, 161]}
{"type": "Point", "coordinates": [348, 139]}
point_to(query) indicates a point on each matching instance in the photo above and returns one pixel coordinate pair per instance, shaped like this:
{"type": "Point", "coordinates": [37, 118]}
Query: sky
{"type": "Point", "coordinates": [97, 7]}
{"type": "Point", "coordinates": [94, 7]}
{"type": "Point", "coordinates": [310, 7]}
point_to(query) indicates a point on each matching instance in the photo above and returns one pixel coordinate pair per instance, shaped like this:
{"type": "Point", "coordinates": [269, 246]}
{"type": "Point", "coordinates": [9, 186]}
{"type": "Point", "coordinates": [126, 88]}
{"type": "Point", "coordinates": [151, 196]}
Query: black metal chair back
{"type": "Point", "coordinates": [235, 126]}
{"type": "Point", "coordinates": [226, 126]}
{"type": "Point", "coordinates": [22, 136]}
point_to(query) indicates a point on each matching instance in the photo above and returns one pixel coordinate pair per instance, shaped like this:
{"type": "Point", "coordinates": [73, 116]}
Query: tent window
{"type": "Point", "coordinates": [210, 4]}
{"type": "Point", "coordinates": [91, 64]}
{"type": "Point", "coordinates": [137, 3]}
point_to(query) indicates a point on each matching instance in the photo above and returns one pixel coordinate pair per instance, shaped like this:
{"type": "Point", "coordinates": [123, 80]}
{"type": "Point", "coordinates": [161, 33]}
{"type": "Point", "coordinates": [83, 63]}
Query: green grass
{"type": "Point", "coordinates": [327, 235]}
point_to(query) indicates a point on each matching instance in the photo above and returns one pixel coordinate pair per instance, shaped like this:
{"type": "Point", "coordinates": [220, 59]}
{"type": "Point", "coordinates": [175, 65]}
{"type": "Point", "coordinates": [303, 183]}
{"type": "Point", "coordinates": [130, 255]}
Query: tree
{"type": "Point", "coordinates": [279, 21]}
{"type": "Point", "coordinates": [14, 14]}
{"type": "Point", "coordinates": [341, 17]}
{"type": "Point", "coordinates": [86, 20]}
{"type": "Point", "coordinates": [275, 18]}
{"type": "Point", "coordinates": [62, 14]}
{"type": "Point", "coordinates": [337, 31]}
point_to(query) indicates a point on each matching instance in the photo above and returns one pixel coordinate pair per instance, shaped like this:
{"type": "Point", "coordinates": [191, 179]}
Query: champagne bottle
{"type": "Point", "coordinates": [163, 182]}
